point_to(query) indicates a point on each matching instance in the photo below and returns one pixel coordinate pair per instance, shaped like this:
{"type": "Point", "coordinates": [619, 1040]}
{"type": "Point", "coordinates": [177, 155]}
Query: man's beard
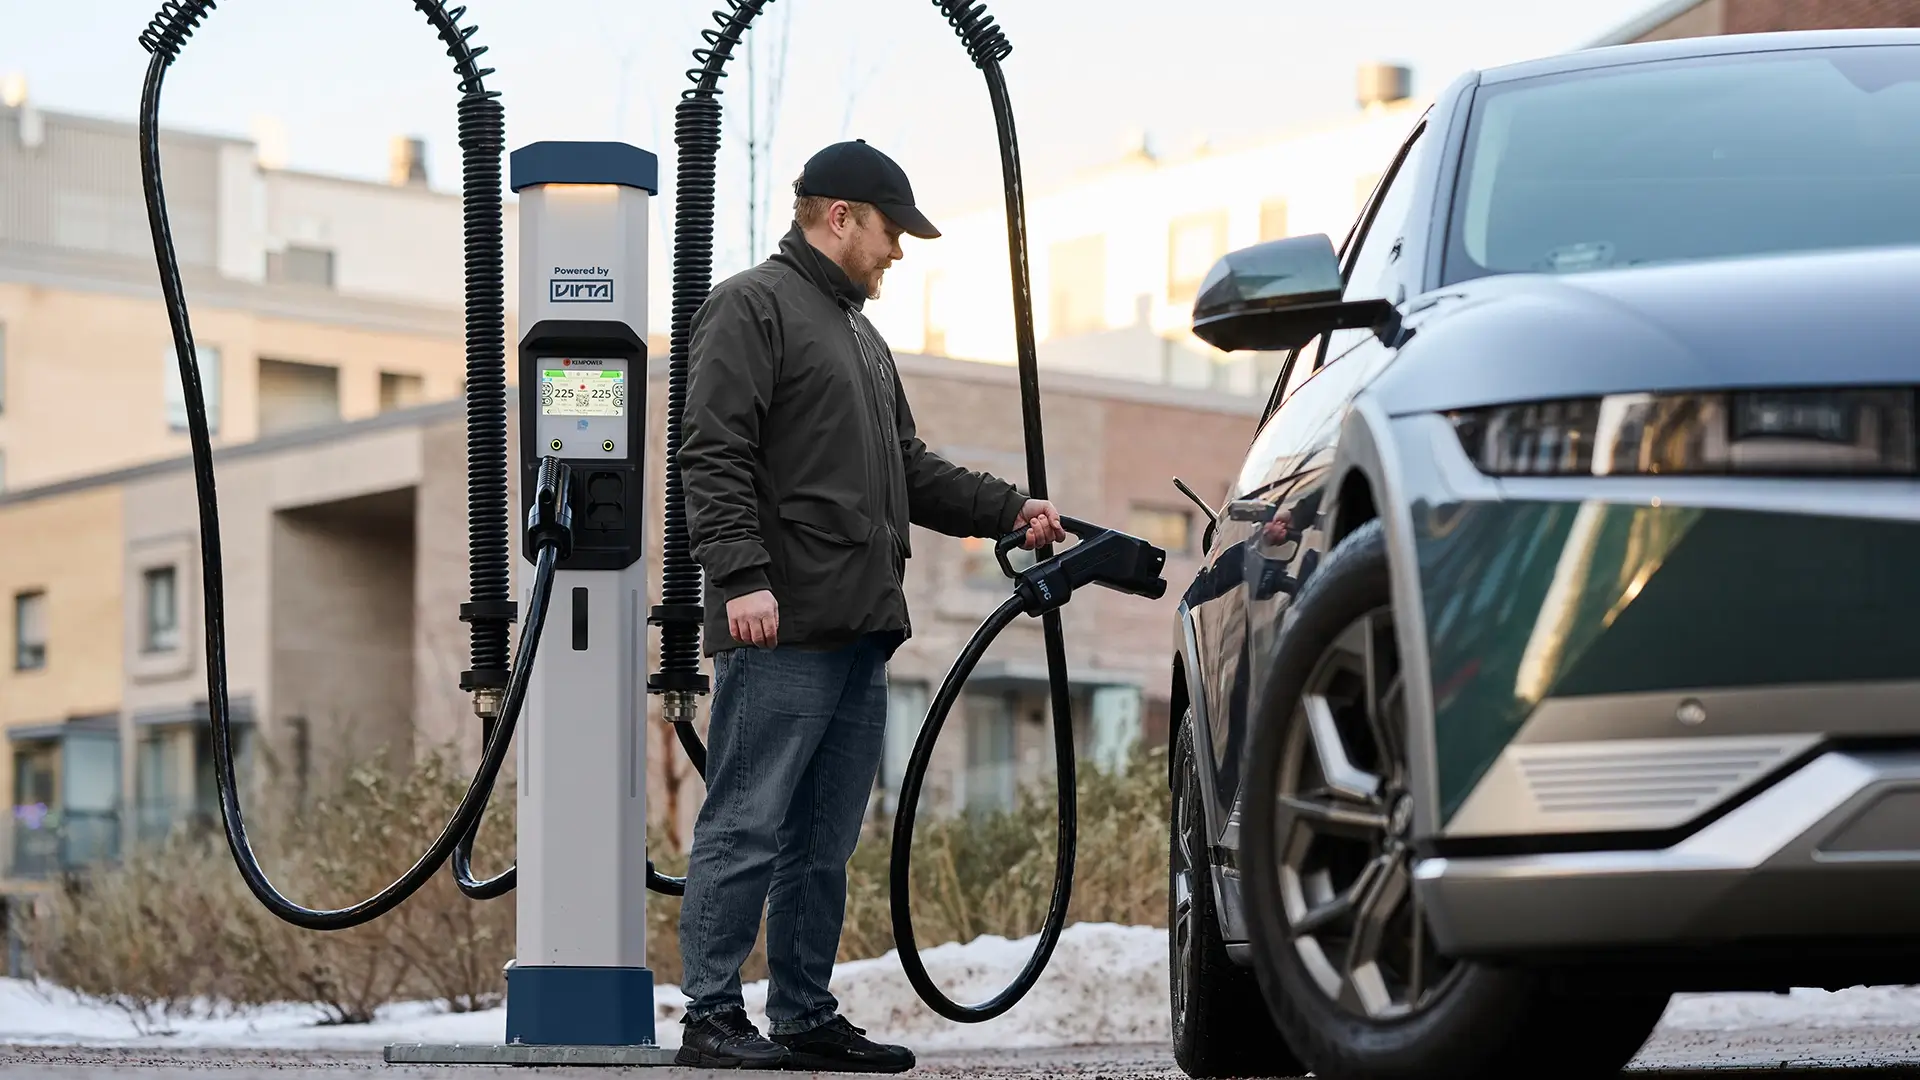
{"type": "Point", "coordinates": [868, 277]}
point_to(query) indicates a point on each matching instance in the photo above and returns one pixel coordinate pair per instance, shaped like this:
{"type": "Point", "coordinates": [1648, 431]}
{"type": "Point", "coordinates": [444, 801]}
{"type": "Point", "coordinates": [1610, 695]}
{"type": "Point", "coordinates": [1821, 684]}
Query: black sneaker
{"type": "Point", "coordinates": [728, 1040]}
{"type": "Point", "coordinates": [838, 1046]}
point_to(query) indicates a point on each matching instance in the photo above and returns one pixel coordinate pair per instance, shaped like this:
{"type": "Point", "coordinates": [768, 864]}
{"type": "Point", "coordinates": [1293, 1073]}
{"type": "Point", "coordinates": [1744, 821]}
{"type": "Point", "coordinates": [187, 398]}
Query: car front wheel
{"type": "Point", "coordinates": [1349, 969]}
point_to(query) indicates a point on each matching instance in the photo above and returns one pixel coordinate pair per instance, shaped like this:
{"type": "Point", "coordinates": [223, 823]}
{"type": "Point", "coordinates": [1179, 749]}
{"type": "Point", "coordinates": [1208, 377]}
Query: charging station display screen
{"type": "Point", "coordinates": [582, 392]}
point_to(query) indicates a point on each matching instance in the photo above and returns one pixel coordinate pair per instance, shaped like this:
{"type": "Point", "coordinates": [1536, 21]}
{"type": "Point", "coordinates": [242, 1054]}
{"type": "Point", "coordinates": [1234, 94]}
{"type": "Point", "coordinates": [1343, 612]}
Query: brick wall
{"type": "Point", "coordinates": [1762, 16]}
{"type": "Point", "coordinates": [341, 626]}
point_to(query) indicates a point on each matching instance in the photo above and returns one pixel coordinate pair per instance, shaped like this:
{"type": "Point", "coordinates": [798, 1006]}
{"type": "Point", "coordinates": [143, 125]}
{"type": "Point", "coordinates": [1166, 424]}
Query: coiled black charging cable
{"type": "Point", "coordinates": [697, 136]}
{"type": "Point", "coordinates": [482, 136]}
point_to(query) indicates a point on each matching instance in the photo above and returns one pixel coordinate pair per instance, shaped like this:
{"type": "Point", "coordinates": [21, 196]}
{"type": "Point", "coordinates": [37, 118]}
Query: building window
{"type": "Point", "coordinates": [300, 265]}
{"type": "Point", "coordinates": [90, 798]}
{"type": "Point", "coordinates": [1116, 726]}
{"type": "Point", "coordinates": [906, 710]}
{"type": "Point", "coordinates": [399, 391]}
{"type": "Point", "coordinates": [160, 604]}
{"type": "Point", "coordinates": [155, 786]}
{"type": "Point", "coordinates": [295, 395]}
{"type": "Point", "coordinates": [207, 361]}
{"type": "Point", "coordinates": [30, 631]}
{"type": "Point", "coordinates": [35, 766]}
{"type": "Point", "coordinates": [991, 784]}
{"type": "Point", "coordinates": [1194, 244]}
{"type": "Point", "coordinates": [1077, 286]}
{"type": "Point", "coordinates": [1169, 530]}
{"type": "Point", "coordinates": [1273, 220]}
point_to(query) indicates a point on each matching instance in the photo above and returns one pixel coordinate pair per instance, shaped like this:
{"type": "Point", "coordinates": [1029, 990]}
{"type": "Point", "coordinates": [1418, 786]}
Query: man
{"type": "Point", "coordinates": [802, 472]}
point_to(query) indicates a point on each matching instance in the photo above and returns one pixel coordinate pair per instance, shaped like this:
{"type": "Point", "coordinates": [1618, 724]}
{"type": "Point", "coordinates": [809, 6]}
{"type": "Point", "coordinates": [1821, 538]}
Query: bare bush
{"type": "Point", "coordinates": [175, 925]}
{"type": "Point", "coordinates": [986, 873]}
{"type": "Point", "coordinates": [438, 944]}
{"type": "Point", "coordinates": [174, 928]}
{"type": "Point", "coordinates": [459, 947]}
{"type": "Point", "coordinates": [144, 937]}
{"type": "Point", "coordinates": [992, 873]}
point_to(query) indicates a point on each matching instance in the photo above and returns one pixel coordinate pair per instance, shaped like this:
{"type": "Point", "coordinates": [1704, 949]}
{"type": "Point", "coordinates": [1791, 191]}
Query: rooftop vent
{"type": "Point", "coordinates": [1383, 84]}
{"type": "Point", "coordinates": [407, 162]}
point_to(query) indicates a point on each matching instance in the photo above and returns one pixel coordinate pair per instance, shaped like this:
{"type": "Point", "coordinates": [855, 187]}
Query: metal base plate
{"type": "Point", "coordinates": [524, 1054]}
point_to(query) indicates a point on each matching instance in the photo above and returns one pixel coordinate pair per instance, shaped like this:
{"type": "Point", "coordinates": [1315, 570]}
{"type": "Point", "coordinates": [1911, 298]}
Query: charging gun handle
{"type": "Point", "coordinates": [1081, 529]}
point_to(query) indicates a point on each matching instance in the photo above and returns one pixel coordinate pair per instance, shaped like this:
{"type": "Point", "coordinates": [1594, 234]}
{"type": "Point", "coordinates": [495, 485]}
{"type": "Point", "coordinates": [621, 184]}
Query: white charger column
{"type": "Point", "coordinates": [580, 975]}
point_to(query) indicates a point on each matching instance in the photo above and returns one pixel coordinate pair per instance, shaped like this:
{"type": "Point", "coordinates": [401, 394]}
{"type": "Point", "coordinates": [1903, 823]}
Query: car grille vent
{"type": "Point", "coordinates": [1667, 777]}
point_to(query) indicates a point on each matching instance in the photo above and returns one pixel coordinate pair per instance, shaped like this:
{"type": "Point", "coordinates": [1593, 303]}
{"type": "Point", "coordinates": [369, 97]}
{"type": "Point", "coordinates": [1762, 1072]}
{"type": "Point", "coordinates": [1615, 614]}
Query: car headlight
{"type": "Point", "coordinates": [1747, 432]}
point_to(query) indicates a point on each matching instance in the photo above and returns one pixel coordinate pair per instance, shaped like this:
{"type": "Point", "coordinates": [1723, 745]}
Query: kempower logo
{"type": "Point", "coordinates": [565, 287]}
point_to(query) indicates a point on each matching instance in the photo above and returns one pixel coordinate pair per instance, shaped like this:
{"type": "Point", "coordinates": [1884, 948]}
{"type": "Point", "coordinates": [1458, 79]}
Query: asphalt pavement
{"type": "Point", "coordinates": [1810, 1049]}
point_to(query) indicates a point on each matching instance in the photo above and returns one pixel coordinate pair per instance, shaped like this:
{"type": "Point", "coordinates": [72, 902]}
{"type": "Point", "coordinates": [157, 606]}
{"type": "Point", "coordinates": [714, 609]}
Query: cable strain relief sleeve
{"type": "Point", "coordinates": [484, 679]}
{"type": "Point", "coordinates": [667, 682]}
{"type": "Point", "coordinates": [483, 611]}
{"type": "Point", "coordinates": [671, 614]}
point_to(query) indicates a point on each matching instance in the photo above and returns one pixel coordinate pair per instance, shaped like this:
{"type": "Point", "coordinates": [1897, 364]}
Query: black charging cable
{"type": "Point", "coordinates": [482, 131]}
{"type": "Point", "coordinates": [1103, 557]}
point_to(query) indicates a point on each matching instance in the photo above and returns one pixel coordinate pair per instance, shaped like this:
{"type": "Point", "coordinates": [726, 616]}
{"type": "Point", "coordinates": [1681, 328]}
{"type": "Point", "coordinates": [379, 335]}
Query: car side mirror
{"type": "Point", "coordinates": [1280, 295]}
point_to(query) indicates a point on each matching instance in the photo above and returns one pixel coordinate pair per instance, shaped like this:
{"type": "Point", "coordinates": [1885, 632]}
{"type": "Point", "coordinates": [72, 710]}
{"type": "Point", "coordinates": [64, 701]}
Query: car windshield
{"type": "Point", "coordinates": [1691, 159]}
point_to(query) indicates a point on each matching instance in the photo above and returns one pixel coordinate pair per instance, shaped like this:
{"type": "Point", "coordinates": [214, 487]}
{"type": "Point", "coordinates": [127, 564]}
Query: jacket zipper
{"type": "Point", "coordinates": [871, 362]}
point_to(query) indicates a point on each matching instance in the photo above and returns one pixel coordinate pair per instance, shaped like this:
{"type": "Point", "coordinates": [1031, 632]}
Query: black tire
{"type": "Point", "coordinates": [1474, 1020]}
{"type": "Point", "coordinates": [1220, 1026]}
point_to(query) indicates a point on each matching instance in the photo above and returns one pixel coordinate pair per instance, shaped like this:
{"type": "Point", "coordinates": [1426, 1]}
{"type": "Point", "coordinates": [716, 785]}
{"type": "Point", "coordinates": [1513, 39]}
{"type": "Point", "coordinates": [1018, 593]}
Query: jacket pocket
{"type": "Point", "coordinates": [828, 521]}
{"type": "Point", "coordinates": [835, 570]}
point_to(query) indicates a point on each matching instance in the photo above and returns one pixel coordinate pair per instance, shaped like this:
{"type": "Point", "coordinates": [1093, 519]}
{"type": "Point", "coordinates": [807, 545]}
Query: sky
{"type": "Point", "coordinates": [340, 78]}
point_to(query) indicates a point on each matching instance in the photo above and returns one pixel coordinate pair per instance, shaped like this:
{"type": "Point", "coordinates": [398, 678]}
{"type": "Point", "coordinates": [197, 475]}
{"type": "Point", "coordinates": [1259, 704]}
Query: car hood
{"type": "Point", "coordinates": [1828, 319]}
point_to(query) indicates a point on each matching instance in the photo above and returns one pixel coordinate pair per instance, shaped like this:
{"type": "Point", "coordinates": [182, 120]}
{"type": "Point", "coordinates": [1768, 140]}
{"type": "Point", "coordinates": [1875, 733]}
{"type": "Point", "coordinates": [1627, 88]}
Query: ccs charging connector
{"type": "Point", "coordinates": [1103, 557]}
{"type": "Point", "coordinates": [550, 513]}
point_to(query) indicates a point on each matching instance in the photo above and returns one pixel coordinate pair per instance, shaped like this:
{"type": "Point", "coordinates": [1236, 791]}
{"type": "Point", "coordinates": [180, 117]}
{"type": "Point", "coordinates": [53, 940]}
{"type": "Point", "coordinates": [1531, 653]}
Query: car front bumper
{"type": "Point", "coordinates": [1831, 850]}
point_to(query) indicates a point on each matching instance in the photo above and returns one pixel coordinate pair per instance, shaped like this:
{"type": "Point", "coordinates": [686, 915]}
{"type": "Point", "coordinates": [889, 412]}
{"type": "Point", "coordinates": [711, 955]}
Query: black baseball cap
{"type": "Point", "coordinates": [857, 172]}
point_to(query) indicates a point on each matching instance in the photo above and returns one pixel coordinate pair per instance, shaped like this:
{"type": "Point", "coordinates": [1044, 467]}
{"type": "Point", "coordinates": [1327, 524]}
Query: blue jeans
{"type": "Point", "coordinates": [792, 750]}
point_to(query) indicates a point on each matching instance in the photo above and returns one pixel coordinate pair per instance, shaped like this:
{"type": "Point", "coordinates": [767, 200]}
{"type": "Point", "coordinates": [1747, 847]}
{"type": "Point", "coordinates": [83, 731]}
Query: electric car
{"type": "Point", "coordinates": [1559, 646]}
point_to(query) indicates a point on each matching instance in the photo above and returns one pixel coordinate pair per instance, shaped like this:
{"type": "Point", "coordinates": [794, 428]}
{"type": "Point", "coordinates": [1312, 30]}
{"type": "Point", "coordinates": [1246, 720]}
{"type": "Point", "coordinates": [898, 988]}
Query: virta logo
{"type": "Point", "coordinates": [561, 291]}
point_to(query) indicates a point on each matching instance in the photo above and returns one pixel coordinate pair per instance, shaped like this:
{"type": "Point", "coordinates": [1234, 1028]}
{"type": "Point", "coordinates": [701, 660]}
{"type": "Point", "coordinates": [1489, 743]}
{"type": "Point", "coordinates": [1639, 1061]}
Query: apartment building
{"type": "Point", "coordinates": [315, 299]}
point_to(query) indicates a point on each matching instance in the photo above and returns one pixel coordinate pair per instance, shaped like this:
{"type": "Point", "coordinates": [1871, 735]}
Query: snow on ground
{"type": "Point", "coordinates": [1857, 1007]}
{"type": "Point", "coordinates": [1106, 985]}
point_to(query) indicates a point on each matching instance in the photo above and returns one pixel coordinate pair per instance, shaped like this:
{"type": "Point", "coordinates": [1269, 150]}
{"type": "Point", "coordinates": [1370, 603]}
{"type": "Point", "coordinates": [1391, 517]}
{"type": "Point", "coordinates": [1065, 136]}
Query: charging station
{"type": "Point", "coordinates": [579, 990]}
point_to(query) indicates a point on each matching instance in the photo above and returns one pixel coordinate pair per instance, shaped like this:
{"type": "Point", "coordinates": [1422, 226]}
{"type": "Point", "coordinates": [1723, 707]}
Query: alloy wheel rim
{"type": "Point", "coordinates": [1182, 930]}
{"type": "Point", "coordinates": [1344, 811]}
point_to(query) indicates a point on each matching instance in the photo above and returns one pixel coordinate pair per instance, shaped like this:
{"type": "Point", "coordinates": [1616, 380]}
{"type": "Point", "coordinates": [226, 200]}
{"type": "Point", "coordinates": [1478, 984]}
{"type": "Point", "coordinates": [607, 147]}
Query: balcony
{"type": "Point", "coordinates": [44, 843]}
{"type": "Point", "coordinates": [157, 821]}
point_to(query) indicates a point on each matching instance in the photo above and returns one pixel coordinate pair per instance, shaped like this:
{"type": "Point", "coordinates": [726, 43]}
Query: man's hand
{"type": "Point", "coordinates": [1042, 522]}
{"type": "Point", "coordinates": [755, 619]}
